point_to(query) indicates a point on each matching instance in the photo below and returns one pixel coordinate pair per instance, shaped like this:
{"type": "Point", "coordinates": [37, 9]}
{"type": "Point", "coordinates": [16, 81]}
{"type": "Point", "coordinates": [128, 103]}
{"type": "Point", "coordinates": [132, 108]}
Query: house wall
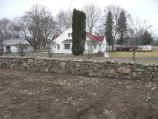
{"type": "Point", "coordinates": [13, 49]}
{"type": "Point", "coordinates": [4, 49]}
{"type": "Point", "coordinates": [60, 40]}
{"type": "Point", "coordinates": [30, 49]}
{"type": "Point", "coordinates": [95, 68]}
{"type": "Point", "coordinates": [100, 46]}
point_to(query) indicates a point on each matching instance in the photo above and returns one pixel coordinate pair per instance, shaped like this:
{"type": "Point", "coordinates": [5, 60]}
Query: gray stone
{"type": "Point", "coordinates": [94, 68]}
{"type": "Point", "coordinates": [134, 75]}
{"type": "Point", "coordinates": [62, 64]}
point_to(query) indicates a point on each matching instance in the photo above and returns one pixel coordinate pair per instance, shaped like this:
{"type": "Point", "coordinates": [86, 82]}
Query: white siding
{"type": "Point", "coordinates": [13, 49]}
{"type": "Point", "coordinates": [64, 36]}
{"type": "Point", "coordinates": [59, 40]}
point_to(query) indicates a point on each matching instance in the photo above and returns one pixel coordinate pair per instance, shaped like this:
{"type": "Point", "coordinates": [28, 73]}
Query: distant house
{"type": "Point", "coordinates": [63, 43]}
{"type": "Point", "coordinates": [11, 46]}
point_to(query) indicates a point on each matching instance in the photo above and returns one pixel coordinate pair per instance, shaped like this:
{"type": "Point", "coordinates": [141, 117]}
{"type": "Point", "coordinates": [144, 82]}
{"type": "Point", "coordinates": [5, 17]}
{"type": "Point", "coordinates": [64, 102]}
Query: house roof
{"type": "Point", "coordinates": [90, 36]}
{"type": "Point", "coordinates": [54, 37]}
{"type": "Point", "coordinates": [94, 38]}
{"type": "Point", "coordinates": [14, 42]}
{"type": "Point", "coordinates": [67, 40]}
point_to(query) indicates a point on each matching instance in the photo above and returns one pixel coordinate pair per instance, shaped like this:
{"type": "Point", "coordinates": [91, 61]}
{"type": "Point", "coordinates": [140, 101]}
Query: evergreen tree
{"type": "Point", "coordinates": [122, 27]}
{"type": "Point", "coordinates": [146, 38]}
{"type": "Point", "coordinates": [109, 30]}
{"type": "Point", "coordinates": [78, 32]}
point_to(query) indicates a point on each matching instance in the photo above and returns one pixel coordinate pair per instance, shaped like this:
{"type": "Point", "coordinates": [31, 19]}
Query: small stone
{"type": "Point", "coordinates": [153, 88]}
{"type": "Point", "coordinates": [62, 64]}
{"type": "Point", "coordinates": [129, 87]}
{"type": "Point", "coordinates": [112, 71]}
{"type": "Point", "coordinates": [107, 112]}
{"type": "Point", "coordinates": [30, 93]}
{"type": "Point", "coordinates": [148, 85]}
{"type": "Point", "coordinates": [24, 65]}
{"type": "Point", "coordinates": [46, 69]}
{"type": "Point", "coordinates": [134, 75]}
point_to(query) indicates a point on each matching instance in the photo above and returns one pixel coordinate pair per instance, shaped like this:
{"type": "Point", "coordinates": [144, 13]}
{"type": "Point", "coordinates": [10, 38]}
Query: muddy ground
{"type": "Point", "coordinates": [28, 95]}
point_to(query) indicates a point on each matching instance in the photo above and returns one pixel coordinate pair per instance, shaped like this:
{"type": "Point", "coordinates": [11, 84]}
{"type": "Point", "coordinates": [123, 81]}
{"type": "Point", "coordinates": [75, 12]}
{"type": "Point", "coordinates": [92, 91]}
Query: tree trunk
{"type": "Point", "coordinates": [35, 48]}
{"type": "Point", "coordinates": [89, 56]}
{"type": "Point", "coordinates": [134, 56]}
{"type": "Point", "coordinates": [113, 47]}
{"type": "Point", "coordinates": [134, 53]}
{"type": "Point", "coordinates": [90, 30]}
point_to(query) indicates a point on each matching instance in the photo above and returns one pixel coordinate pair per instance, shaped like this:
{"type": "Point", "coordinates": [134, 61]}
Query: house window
{"type": "Point", "coordinates": [69, 34]}
{"type": "Point", "coordinates": [67, 46]}
{"type": "Point", "coordinates": [58, 46]}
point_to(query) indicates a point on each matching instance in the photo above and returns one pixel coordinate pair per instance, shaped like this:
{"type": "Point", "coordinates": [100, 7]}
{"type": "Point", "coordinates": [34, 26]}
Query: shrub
{"type": "Point", "coordinates": [78, 32]}
{"type": "Point", "coordinates": [22, 49]}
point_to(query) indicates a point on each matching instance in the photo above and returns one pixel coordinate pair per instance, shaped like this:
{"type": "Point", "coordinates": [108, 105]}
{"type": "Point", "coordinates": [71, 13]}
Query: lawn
{"type": "Point", "coordinates": [119, 54]}
{"type": "Point", "coordinates": [144, 57]}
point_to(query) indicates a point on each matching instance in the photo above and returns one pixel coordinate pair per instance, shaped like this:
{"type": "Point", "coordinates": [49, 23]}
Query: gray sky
{"type": "Point", "coordinates": [144, 9]}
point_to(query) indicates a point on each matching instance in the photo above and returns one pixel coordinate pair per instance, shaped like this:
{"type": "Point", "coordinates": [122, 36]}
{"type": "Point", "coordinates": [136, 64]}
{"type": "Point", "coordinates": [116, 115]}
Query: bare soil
{"type": "Point", "coordinates": [29, 95]}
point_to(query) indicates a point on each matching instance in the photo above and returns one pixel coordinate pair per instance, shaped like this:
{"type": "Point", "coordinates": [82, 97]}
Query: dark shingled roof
{"type": "Point", "coordinates": [14, 42]}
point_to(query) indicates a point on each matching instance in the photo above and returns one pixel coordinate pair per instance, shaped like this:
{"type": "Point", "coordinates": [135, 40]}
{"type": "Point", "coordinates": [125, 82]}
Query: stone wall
{"type": "Point", "coordinates": [109, 69]}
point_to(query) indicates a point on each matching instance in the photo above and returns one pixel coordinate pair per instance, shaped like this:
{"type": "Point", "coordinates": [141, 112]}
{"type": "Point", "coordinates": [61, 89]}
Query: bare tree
{"type": "Point", "coordinates": [137, 28]}
{"type": "Point", "coordinates": [8, 29]}
{"type": "Point", "coordinates": [37, 26]}
{"type": "Point", "coordinates": [64, 20]}
{"type": "Point", "coordinates": [52, 49]}
{"type": "Point", "coordinates": [91, 46]}
{"type": "Point", "coordinates": [22, 49]}
{"type": "Point", "coordinates": [5, 26]}
{"type": "Point", "coordinates": [92, 16]}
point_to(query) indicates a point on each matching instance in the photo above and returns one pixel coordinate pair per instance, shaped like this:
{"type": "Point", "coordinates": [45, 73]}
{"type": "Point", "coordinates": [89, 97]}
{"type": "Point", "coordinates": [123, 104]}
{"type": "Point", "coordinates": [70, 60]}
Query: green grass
{"type": "Point", "coordinates": [144, 57]}
{"type": "Point", "coordinates": [119, 54]}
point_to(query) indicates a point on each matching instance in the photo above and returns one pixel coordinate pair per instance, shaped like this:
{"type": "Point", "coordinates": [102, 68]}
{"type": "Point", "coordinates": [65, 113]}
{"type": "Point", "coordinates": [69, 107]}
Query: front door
{"type": "Point", "coordinates": [8, 49]}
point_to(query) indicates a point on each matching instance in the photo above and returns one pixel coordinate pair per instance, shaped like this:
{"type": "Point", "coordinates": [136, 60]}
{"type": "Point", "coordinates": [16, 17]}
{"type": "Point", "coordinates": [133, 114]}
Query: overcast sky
{"type": "Point", "coordinates": [144, 9]}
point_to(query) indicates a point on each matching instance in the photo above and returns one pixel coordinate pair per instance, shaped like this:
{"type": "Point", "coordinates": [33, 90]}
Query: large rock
{"type": "Point", "coordinates": [30, 61]}
{"type": "Point", "coordinates": [124, 70]}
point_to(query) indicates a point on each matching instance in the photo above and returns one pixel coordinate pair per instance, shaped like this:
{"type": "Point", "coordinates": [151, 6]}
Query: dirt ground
{"type": "Point", "coordinates": [28, 95]}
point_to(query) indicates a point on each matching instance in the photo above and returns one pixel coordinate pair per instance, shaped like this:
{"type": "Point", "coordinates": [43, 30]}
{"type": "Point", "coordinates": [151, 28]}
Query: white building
{"type": "Point", "coordinates": [11, 46]}
{"type": "Point", "coordinates": [63, 43]}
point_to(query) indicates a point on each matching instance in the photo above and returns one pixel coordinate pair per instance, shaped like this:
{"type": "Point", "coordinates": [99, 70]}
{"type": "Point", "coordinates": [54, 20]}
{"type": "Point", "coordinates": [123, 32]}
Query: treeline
{"type": "Point", "coordinates": [121, 29]}
{"type": "Point", "coordinates": [38, 26]}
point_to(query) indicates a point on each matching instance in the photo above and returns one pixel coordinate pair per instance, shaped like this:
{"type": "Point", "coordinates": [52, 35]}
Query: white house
{"type": "Point", "coordinates": [10, 46]}
{"type": "Point", "coordinates": [63, 43]}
